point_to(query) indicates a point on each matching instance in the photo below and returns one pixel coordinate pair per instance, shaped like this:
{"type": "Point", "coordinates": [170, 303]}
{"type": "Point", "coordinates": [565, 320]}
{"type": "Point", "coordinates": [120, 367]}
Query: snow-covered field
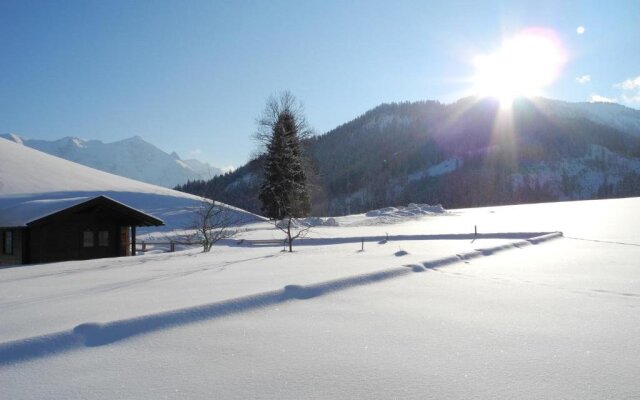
{"type": "Point", "coordinates": [424, 311]}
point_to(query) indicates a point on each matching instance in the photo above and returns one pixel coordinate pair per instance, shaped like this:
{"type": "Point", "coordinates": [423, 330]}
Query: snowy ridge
{"type": "Point", "coordinates": [132, 158]}
{"type": "Point", "coordinates": [31, 178]}
{"type": "Point", "coordinates": [411, 210]}
{"type": "Point", "coordinates": [610, 114]}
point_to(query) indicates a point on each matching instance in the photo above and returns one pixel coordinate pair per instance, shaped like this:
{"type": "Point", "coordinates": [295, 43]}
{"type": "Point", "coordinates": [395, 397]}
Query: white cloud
{"type": "Point", "coordinates": [629, 84]}
{"type": "Point", "coordinates": [195, 152]}
{"type": "Point", "coordinates": [596, 98]}
{"type": "Point", "coordinates": [580, 30]}
{"type": "Point", "coordinates": [630, 90]}
{"type": "Point", "coordinates": [583, 79]}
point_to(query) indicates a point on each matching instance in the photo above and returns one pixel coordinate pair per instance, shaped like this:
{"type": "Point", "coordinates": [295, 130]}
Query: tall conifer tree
{"type": "Point", "coordinates": [284, 193]}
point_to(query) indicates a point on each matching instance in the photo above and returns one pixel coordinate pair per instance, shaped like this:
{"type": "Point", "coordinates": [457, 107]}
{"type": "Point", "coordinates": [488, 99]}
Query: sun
{"type": "Point", "coordinates": [523, 66]}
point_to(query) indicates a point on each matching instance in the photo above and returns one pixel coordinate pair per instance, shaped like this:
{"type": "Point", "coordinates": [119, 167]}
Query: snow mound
{"type": "Point", "coordinates": [308, 222]}
{"type": "Point", "coordinates": [317, 221]}
{"type": "Point", "coordinates": [412, 210]}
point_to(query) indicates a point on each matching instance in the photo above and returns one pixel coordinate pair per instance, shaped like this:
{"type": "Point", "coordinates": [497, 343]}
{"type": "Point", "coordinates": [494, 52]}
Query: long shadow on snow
{"type": "Point", "coordinates": [95, 334]}
{"type": "Point", "coordinates": [384, 238]}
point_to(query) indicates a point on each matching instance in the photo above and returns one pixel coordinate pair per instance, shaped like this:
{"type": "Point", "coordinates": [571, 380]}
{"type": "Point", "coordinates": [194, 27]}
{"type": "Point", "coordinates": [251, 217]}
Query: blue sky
{"type": "Point", "coordinates": [192, 76]}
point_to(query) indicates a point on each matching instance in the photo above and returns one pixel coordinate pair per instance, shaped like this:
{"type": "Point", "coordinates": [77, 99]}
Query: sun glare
{"type": "Point", "coordinates": [523, 66]}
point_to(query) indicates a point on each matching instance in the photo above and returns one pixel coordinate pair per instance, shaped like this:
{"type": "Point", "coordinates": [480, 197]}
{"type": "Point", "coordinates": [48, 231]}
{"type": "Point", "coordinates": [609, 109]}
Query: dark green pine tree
{"type": "Point", "coordinates": [283, 192]}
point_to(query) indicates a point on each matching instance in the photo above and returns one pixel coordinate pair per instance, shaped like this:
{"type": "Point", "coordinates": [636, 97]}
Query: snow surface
{"type": "Point", "coordinates": [447, 166]}
{"type": "Point", "coordinates": [35, 182]}
{"type": "Point", "coordinates": [425, 311]}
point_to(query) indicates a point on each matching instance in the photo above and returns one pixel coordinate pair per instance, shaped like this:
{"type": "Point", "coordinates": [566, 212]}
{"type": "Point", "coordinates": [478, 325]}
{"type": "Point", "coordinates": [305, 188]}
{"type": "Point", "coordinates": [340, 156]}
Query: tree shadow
{"type": "Point", "coordinates": [326, 241]}
{"type": "Point", "coordinates": [96, 334]}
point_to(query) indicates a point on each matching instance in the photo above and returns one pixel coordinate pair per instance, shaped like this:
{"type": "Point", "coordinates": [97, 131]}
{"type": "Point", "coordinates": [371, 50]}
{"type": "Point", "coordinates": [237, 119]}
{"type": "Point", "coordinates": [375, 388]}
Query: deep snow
{"type": "Point", "coordinates": [420, 313]}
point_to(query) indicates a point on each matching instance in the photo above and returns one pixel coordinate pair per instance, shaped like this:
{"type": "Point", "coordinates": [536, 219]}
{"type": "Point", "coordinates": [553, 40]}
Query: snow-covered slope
{"type": "Point", "coordinates": [28, 175]}
{"type": "Point", "coordinates": [424, 312]}
{"type": "Point", "coordinates": [132, 158]}
{"type": "Point", "coordinates": [205, 170]}
{"type": "Point", "coordinates": [614, 115]}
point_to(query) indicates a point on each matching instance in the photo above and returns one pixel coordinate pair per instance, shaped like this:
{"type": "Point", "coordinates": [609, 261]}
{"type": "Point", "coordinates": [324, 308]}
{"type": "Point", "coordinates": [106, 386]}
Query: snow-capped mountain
{"type": "Point", "coordinates": [132, 158]}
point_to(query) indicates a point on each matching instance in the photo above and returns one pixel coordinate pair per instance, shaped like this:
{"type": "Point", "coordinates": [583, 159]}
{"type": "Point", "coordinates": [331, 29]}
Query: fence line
{"type": "Point", "coordinates": [142, 245]}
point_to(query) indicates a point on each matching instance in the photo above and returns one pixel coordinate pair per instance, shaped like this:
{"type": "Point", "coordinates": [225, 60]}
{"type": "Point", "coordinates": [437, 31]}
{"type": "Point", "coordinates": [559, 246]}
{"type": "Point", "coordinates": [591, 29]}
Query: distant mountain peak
{"type": "Point", "coordinates": [73, 140]}
{"type": "Point", "coordinates": [131, 157]}
{"type": "Point", "coordinates": [12, 137]}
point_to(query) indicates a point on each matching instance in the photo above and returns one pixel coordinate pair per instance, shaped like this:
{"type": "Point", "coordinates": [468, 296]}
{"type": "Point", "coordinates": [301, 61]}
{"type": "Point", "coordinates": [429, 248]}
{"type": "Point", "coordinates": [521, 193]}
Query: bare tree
{"type": "Point", "coordinates": [285, 102]}
{"type": "Point", "coordinates": [212, 222]}
{"type": "Point", "coordinates": [293, 228]}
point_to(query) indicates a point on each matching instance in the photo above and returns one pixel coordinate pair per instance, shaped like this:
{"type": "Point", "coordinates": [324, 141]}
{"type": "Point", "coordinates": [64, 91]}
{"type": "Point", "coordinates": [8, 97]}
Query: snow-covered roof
{"type": "Point", "coordinates": [23, 213]}
{"type": "Point", "coordinates": [34, 184]}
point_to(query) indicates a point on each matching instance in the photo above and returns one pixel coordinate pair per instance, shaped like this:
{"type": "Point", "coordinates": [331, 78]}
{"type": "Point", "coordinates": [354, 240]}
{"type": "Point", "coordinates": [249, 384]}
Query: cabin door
{"type": "Point", "coordinates": [125, 248]}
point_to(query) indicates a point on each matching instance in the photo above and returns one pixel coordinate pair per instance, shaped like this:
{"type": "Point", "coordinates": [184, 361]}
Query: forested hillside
{"type": "Point", "coordinates": [469, 153]}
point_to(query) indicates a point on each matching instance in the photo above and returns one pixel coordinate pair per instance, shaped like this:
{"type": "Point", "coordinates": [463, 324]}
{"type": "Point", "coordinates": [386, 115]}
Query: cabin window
{"type": "Point", "coordinates": [87, 239]}
{"type": "Point", "coordinates": [7, 243]}
{"type": "Point", "coordinates": [103, 238]}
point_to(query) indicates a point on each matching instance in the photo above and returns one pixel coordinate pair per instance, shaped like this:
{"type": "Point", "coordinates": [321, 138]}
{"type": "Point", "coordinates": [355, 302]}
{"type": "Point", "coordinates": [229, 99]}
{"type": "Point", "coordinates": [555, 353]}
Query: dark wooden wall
{"type": "Point", "coordinates": [61, 238]}
{"type": "Point", "coordinates": [18, 247]}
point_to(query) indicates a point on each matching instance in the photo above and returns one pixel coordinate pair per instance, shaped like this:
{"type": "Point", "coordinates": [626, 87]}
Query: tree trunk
{"type": "Point", "coordinates": [289, 235]}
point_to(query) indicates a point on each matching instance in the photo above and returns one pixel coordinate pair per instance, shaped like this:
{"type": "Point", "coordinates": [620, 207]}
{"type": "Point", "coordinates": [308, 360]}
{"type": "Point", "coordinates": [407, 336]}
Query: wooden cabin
{"type": "Point", "coordinates": [42, 231]}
